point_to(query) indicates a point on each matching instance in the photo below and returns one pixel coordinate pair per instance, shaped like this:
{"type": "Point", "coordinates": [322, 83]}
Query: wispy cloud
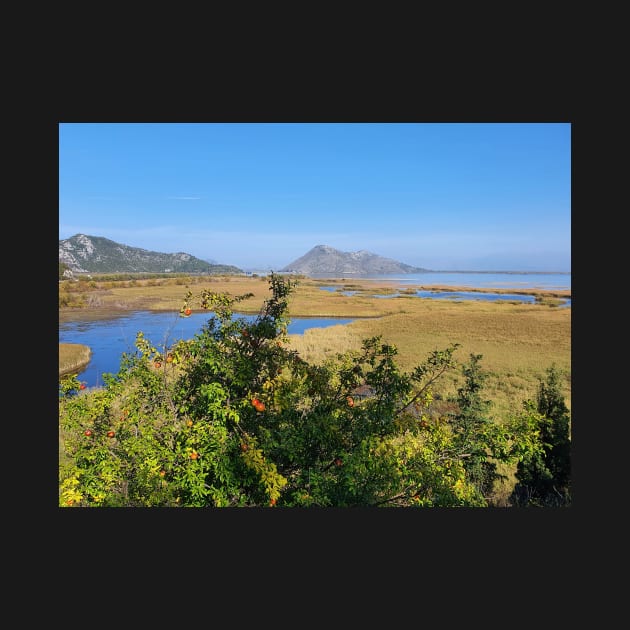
{"type": "Point", "coordinates": [182, 198]}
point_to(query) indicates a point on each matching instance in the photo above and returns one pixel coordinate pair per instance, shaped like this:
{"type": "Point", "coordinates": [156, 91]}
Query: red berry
{"type": "Point", "coordinates": [87, 432]}
{"type": "Point", "coordinates": [110, 434]}
{"type": "Point", "coordinates": [258, 404]}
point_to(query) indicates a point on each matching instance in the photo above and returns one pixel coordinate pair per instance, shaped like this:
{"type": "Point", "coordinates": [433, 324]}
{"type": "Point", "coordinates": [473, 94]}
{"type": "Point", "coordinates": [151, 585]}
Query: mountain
{"type": "Point", "coordinates": [95, 254]}
{"type": "Point", "coordinates": [323, 259]}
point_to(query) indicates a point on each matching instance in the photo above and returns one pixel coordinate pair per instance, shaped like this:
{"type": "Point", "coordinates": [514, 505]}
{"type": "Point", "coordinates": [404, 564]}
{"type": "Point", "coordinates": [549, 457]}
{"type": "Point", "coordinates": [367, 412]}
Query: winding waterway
{"type": "Point", "coordinates": [109, 338]}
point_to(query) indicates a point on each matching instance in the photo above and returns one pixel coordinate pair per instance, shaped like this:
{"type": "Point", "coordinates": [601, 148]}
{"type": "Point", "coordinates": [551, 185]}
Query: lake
{"type": "Point", "coordinates": [109, 338]}
{"type": "Point", "coordinates": [551, 281]}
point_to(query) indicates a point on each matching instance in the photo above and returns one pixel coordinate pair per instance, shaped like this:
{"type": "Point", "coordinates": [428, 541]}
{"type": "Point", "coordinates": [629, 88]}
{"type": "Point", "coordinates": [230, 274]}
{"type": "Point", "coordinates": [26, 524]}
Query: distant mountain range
{"type": "Point", "coordinates": [323, 259]}
{"type": "Point", "coordinates": [95, 254]}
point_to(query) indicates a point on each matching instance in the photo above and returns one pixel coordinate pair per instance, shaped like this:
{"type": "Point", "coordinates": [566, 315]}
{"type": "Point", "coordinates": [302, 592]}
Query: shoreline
{"type": "Point", "coordinates": [166, 301]}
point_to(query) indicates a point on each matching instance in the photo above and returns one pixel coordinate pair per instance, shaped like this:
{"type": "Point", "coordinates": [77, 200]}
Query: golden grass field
{"type": "Point", "coordinates": [73, 357]}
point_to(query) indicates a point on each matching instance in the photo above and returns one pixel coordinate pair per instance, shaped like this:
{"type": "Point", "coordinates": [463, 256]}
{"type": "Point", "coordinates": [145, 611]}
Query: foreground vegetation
{"type": "Point", "coordinates": [238, 417]}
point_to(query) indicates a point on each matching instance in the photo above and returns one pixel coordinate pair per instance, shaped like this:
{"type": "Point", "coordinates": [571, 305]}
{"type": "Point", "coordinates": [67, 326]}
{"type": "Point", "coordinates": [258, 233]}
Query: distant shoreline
{"type": "Point", "coordinates": [362, 274]}
{"type": "Point", "coordinates": [521, 273]}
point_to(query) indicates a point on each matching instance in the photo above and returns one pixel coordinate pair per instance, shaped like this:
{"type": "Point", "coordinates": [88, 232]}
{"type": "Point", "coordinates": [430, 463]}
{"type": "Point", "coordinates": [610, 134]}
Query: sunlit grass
{"type": "Point", "coordinates": [517, 342]}
{"type": "Point", "coordinates": [73, 357]}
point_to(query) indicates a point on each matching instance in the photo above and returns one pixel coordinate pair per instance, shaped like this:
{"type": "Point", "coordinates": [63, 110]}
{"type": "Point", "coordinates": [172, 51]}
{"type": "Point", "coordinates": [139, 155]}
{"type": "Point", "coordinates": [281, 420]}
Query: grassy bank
{"type": "Point", "coordinates": [73, 357]}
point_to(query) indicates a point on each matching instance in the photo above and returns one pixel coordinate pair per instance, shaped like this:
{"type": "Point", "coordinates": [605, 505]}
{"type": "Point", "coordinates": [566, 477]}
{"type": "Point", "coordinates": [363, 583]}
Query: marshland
{"type": "Point", "coordinates": [517, 340]}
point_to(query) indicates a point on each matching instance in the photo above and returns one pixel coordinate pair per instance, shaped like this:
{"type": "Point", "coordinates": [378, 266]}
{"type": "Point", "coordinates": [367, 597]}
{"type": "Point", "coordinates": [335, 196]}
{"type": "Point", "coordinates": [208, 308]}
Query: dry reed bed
{"type": "Point", "coordinates": [517, 343]}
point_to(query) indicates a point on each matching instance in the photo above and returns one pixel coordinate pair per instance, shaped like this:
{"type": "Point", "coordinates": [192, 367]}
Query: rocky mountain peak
{"type": "Point", "coordinates": [323, 259]}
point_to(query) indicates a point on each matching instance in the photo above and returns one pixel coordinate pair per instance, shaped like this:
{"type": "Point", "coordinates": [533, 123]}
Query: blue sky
{"type": "Point", "coordinates": [443, 196]}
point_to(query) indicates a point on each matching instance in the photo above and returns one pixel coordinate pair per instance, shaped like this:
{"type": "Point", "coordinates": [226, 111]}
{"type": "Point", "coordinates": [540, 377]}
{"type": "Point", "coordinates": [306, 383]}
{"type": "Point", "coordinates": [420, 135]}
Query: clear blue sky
{"type": "Point", "coordinates": [443, 196]}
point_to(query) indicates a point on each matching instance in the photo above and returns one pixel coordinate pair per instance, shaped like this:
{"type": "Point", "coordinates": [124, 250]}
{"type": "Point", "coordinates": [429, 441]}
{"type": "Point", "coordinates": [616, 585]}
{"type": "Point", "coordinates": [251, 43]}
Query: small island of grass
{"type": "Point", "coordinates": [73, 357]}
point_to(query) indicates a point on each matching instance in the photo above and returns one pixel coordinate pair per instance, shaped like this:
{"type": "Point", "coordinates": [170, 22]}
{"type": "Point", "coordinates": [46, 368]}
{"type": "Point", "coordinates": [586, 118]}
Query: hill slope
{"type": "Point", "coordinates": [95, 254]}
{"type": "Point", "coordinates": [323, 259]}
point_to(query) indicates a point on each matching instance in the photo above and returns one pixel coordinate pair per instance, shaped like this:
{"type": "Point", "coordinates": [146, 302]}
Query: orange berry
{"type": "Point", "coordinates": [110, 434]}
{"type": "Point", "coordinates": [194, 455]}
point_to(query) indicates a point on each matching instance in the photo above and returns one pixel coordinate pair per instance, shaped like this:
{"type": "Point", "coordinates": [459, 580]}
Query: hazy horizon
{"type": "Point", "coordinates": [441, 196]}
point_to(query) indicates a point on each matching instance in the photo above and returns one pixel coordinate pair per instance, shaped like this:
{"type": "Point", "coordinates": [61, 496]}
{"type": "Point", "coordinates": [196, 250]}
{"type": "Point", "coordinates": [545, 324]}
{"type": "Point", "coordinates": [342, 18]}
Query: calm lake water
{"type": "Point", "coordinates": [473, 279]}
{"type": "Point", "coordinates": [109, 338]}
